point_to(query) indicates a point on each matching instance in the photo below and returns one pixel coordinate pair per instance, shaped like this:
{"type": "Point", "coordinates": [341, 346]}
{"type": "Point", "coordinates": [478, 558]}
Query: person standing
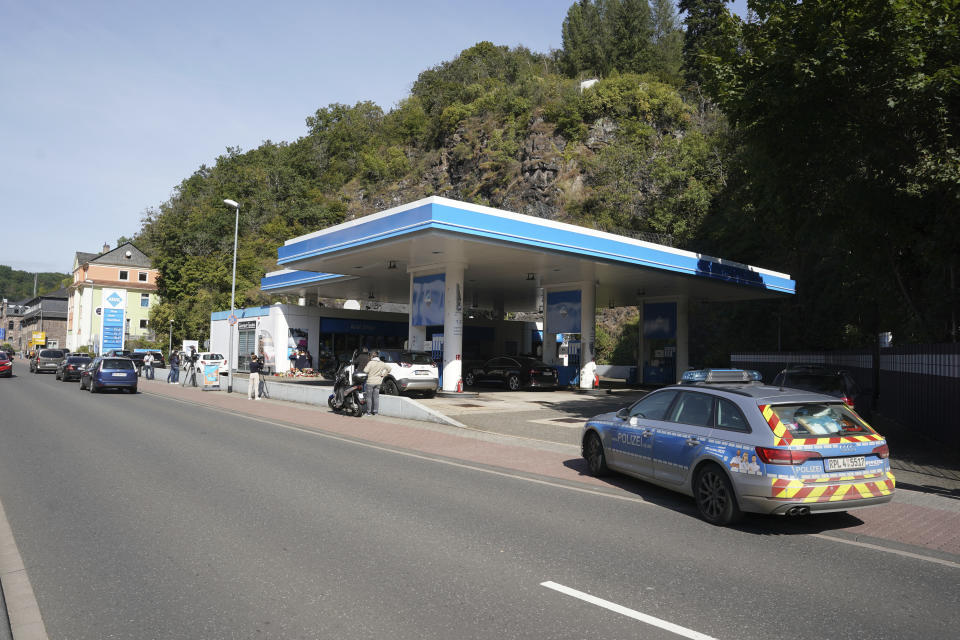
{"type": "Point", "coordinates": [148, 366]}
{"type": "Point", "coordinates": [376, 371]}
{"type": "Point", "coordinates": [253, 384]}
{"type": "Point", "coordinates": [173, 376]}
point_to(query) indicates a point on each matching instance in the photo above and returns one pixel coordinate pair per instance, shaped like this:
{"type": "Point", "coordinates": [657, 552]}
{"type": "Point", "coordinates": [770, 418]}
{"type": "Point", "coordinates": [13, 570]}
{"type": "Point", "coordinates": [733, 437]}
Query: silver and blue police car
{"type": "Point", "coordinates": [736, 445]}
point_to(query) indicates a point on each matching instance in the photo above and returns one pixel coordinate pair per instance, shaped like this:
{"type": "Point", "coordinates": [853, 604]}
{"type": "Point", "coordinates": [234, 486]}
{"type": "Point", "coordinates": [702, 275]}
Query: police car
{"type": "Point", "coordinates": [736, 445]}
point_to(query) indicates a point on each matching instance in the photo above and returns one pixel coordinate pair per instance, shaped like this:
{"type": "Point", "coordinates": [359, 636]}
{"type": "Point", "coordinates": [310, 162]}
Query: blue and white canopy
{"type": "Point", "coordinates": [506, 258]}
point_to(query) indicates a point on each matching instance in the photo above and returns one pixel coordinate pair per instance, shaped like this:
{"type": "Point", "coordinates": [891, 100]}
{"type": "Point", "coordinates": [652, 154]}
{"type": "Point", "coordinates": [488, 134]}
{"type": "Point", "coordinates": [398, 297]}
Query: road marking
{"type": "Point", "coordinates": [630, 613]}
{"type": "Point", "coordinates": [876, 547]}
{"type": "Point", "coordinates": [23, 611]}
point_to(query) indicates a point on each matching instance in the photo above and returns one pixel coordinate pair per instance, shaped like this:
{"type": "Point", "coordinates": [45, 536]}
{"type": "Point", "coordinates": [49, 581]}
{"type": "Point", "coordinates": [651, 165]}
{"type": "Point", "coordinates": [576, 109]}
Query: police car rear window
{"type": "Point", "coordinates": [819, 419]}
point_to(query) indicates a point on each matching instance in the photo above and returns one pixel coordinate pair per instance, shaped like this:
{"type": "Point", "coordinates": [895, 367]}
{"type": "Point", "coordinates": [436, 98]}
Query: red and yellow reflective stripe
{"type": "Point", "coordinates": [800, 491]}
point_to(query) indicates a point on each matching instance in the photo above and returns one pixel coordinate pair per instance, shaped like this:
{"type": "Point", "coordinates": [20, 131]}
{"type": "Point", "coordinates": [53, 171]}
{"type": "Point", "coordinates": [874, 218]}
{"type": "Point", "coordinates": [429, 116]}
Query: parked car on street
{"type": "Point", "coordinates": [409, 371]}
{"type": "Point", "coordinates": [46, 360]}
{"type": "Point", "coordinates": [213, 358]}
{"type": "Point", "coordinates": [736, 445]}
{"type": "Point", "coordinates": [828, 380]}
{"type": "Point", "coordinates": [514, 372]}
{"type": "Point", "coordinates": [71, 367]}
{"type": "Point", "coordinates": [6, 365]}
{"type": "Point", "coordinates": [109, 373]}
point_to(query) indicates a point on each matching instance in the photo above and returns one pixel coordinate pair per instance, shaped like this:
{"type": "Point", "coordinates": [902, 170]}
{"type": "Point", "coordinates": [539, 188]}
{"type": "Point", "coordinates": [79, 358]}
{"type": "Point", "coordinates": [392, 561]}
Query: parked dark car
{"type": "Point", "coordinates": [46, 360]}
{"type": "Point", "coordinates": [109, 373]}
{"type": "Point", "coordinates": [72, 366]}
{"type": "Point", "coordinates": [6, 365]}
{"type": "Point", "coordinates": [514, 372]}
{"type": "Point", "coordinates": [826, 380]}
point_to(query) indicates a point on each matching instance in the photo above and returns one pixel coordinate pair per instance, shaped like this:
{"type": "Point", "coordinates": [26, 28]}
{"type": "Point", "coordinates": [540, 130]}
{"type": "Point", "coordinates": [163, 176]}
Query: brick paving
{"type": "Point", "coordinates": [925, 519]}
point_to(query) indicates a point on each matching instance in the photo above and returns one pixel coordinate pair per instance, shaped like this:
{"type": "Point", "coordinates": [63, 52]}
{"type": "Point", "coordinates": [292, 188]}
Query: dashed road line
{"type": "Point", "coordinates": [630, 613]}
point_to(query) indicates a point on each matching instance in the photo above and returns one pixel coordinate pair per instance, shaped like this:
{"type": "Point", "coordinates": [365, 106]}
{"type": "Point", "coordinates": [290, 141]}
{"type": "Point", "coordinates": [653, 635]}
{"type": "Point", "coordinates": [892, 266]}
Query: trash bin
{"type": "Point", "coordinates": [632, 376]}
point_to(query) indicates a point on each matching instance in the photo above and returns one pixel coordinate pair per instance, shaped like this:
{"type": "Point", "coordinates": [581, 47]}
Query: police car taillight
{"type": "Point", "coordinates": [883, 451]}
{"type": "Point", "coordinates": [785, 456]}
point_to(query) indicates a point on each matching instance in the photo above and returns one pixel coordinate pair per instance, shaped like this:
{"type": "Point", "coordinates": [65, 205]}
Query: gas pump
{"type": "Point", "coordinates": [436, 352]}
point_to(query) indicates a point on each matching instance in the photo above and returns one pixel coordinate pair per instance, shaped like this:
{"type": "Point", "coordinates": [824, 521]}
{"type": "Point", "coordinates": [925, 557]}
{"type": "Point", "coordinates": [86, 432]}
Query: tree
{"type": "Point", "coordinates": [847, 116]}
{"type": "Point", "coordinates": [705, 21]}
{"type": "Point", "coordinates": [630, 35]}
{"type": "Point", "coordinates": [667, 40]}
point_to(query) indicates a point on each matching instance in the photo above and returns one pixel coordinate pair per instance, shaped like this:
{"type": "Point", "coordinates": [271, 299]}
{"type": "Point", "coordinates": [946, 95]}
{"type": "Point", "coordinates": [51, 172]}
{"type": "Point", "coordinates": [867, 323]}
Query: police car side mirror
{"type": "Point", "coordinates": [623, 413]}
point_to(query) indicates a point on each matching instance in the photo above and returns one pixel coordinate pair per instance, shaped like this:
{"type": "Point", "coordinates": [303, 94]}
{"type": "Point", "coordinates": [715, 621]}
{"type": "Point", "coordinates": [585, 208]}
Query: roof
{"type": "Point", "coordinates": [506, 256]}
{"type": "Point", "coordinates": [117, 257]}
{"type": "Point", "coordinates": [762, 393]}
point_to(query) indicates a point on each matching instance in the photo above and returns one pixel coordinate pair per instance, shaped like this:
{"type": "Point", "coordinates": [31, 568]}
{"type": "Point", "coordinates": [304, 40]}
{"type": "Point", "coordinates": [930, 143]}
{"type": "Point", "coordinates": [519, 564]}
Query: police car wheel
{"type": "Point", "coordinates": [715, 498]}
{"type": "Point", "coordinates": [593, 452]}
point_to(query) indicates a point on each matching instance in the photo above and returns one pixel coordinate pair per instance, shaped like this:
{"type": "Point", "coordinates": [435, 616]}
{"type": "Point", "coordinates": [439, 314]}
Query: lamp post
{"type": "Point", "coordinates": [170, 333]}
{"type": "Point", "coordinates": [233, 290]}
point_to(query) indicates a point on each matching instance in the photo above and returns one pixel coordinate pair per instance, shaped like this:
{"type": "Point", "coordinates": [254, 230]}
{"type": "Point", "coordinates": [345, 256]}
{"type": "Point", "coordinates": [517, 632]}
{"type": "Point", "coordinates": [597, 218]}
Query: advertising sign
{"type": "Point", "coordinates": [211, 376]}
{"type": "Point", "coordinates": [112, 320]}
{"type": "Point", "coordinates": [660, 342]}
{"type": "Point", "coordinates": [563, 311]}
{"type": "Point", "coordinates": [38, 338]}
{"type": "Point", "coordinates": [428, 297]}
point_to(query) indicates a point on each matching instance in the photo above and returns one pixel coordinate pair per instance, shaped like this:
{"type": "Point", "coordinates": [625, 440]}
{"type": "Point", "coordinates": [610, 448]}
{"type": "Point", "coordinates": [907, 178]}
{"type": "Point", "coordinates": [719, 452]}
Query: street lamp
{"type": "Point", "coordinates": [170, 348]}
{"type": "Point", "coordinates": [233, 290]}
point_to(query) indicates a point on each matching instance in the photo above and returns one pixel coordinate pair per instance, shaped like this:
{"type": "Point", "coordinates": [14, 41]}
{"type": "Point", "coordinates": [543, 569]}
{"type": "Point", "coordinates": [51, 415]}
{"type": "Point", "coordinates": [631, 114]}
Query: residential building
{"type": "Point", "coordinates": [43, 322]}
{"type": "Point", "coordinates": [110, 298]}
{"type": "Point", "coordinates": [10, 315]}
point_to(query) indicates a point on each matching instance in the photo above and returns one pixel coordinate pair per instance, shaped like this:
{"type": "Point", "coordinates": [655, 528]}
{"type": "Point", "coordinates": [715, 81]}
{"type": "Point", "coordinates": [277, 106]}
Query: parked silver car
{"type": "Point", "coordinates": [736, 445]}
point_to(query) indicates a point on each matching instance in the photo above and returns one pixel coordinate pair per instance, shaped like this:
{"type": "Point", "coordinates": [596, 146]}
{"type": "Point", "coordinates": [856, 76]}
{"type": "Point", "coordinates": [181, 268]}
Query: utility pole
{"type": "Point", "coordinates": [35, 284]}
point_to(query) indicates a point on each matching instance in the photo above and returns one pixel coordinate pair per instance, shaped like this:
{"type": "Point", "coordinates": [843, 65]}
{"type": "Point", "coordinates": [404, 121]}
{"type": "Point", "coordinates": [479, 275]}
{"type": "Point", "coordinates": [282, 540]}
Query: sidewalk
{"type": "Point", "coordinates": [923, 514]}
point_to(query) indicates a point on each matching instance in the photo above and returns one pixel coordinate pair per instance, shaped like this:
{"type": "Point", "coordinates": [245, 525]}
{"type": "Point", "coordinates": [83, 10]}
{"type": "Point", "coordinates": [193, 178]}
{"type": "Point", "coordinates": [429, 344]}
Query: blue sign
{"type": "Point", "coordinates": [660, 342]}
{"type": "Point", "coordinates": [114, 299]}
{"type": "Point", "coordinates": [112, 329]}
{"type": "Point", "coordinates": [563, 312]}
{"type": "Point", "coordinates": [428, 294]}
{"type": "Point", "coordinates": [3, 333]}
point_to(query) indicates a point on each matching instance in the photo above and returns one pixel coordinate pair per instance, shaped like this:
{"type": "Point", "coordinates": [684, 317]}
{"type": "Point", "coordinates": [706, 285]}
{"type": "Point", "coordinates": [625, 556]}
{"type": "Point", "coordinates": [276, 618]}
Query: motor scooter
{"type": "Point", "coordinates": [348, 396]}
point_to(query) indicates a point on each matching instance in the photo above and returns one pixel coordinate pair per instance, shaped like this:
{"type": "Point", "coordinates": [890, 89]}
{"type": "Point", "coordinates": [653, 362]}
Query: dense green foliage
{"type": "Point", "coordinates": [17, 285]}
{"type": "Point", "coordinates": [815, 138]}
{"type": "Point", "coordinates": [846, 118]}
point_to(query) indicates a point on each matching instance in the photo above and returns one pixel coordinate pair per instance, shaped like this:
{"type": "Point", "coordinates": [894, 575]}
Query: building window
{"type": "Point", "coordinates": [142, 275]}
{"type": "Point", "coordinates": [143, 324]}
{"type": "Point", "coordinates": [124, 275]}
{"type": "Point", "coordinates": [144, 299]}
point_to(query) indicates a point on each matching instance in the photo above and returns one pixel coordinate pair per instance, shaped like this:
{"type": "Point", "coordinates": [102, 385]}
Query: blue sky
{"type": "Point", "coordinates": [105, 106]}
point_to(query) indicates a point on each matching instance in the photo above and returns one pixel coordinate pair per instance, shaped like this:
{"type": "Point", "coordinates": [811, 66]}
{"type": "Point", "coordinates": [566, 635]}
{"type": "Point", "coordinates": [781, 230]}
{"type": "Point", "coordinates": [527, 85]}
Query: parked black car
{"type": "Point", "coordinates": [830, 381]}
{"type": "Point", "coordinates": [72, 366]}
{"type": "Point", "coordinates": [514, 372]}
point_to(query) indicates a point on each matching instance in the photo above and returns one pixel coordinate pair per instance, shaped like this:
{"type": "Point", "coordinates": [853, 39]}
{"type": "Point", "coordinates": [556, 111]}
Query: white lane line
{"type": "Point", "coordinates": [876, 547]}
{"type": "Point", "coordinates": [630, 613]}
{"type": "Point", "coordinates": [23, 613]}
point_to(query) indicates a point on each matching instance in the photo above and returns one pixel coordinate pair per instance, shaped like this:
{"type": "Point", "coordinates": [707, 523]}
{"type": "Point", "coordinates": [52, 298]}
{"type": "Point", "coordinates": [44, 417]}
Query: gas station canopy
{"type": "Point", "coordinates": [506, 257]}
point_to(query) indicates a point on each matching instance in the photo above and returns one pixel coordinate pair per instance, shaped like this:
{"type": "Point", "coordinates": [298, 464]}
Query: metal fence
{"type": "Point", "coordinates": [917, 385]}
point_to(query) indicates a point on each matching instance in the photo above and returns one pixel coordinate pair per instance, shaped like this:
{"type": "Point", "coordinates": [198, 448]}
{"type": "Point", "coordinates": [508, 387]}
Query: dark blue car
{"type": "Point", "coordinates": [109, 373]}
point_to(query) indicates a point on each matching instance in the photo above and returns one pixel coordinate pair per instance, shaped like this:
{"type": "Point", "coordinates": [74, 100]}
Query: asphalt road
{"type": "Point", "coordinates": [143, 517]}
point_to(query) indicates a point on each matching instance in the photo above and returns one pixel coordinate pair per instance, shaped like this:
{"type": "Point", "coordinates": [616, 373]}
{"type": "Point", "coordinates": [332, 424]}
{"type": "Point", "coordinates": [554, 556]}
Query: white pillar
{"type": "Point", "coordinates": [416, 336]}
{"type": "Point", "coordinates": [588, 321]}
{"type": "Point", "coordinates": [452, 326]}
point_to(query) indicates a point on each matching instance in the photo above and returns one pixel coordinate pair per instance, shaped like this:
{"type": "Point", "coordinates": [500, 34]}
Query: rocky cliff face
{"type": "Point", "coordinates": [538, 175]}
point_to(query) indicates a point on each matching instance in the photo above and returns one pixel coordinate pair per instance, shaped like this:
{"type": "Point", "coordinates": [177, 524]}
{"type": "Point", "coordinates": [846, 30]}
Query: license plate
{"type": "Point", "coordinates": [852, 463]}
{"type": "Point", "coordinates": [119, 375]}
{"type": "Point", "coordinates": [421, 373]}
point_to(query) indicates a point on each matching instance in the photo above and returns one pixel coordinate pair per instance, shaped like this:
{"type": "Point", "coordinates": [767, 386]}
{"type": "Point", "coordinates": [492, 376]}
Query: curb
{"type": "Point", "coordinates": [23, 613]}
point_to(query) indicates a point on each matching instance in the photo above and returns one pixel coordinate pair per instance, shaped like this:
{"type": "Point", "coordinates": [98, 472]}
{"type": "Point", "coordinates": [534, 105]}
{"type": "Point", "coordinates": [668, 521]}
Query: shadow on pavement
{"type": "Point", "coordinates": [753, 523]}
